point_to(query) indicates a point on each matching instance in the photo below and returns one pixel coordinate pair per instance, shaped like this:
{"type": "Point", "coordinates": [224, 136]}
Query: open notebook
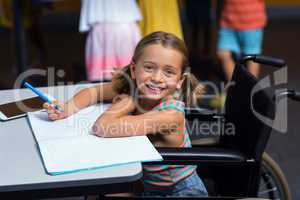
{"type": "Point", "coordinates": [68, 145]}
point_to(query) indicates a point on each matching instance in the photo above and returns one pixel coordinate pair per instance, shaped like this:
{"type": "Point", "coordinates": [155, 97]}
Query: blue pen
{"type": "Point", "coordinates": [42, 95]}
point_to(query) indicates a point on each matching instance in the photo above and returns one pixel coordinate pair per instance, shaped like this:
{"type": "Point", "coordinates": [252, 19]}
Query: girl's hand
{"type": "Point", "coordinates": [124, 102]}
{"type": "Point", "coordinates": [120, 97]}
{"type": "Point", "coordinates": [54, 114]}
{"type": "Point", "coordinates": [122, 105]}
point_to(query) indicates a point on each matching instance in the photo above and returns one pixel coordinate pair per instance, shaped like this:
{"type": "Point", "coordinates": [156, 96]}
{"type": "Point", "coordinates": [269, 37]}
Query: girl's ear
{"type": "Point", "coordinates": [132, 70]}
{"type": "Point", "coordinates": [179, 84]}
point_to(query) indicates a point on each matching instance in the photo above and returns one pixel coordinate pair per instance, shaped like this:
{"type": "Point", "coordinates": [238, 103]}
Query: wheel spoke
{"type": "Point", "coordinates": [265, 183]}
{"type": "Point", "coordinates": [269, 190]}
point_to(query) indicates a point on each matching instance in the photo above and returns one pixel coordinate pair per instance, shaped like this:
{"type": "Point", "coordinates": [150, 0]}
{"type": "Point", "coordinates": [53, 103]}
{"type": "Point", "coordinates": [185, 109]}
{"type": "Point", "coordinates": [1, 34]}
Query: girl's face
{"type": "Point", "coordinates": [158, 72]}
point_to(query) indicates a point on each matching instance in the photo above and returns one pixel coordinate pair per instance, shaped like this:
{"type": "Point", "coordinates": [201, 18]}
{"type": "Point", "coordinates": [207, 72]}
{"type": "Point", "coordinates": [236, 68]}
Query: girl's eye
{"type": "Point", "coordinates": [148, 67]}
{"type": "Point", "coordinates": [170, 72]}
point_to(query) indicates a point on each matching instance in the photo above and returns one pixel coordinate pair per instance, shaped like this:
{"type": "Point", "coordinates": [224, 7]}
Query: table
{"type": "Point", "coordinates": [21, 169]}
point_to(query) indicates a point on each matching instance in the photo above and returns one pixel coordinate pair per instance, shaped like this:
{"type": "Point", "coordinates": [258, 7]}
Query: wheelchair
{"type": "Point", "coordinates": [235, 166]}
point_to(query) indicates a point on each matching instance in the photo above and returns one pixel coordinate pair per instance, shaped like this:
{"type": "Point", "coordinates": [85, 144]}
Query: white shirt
{"type": "Point", "coordinates": [112, 11]}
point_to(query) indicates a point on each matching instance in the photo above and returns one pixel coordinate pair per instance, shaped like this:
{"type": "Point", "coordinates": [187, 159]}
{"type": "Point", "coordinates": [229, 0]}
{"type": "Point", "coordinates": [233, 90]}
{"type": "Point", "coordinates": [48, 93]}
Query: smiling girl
{"type": "Point", "coordinates": [149, 96]}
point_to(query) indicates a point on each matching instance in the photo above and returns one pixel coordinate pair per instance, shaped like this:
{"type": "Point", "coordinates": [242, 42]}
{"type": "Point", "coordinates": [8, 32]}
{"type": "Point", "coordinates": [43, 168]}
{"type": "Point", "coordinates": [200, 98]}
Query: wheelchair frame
{"type": "Point", "coordinates": [234, 163]}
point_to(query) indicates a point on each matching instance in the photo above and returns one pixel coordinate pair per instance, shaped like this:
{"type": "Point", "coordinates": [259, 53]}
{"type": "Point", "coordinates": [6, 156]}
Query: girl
{"type": "Point", "coordinates": [145, 96]}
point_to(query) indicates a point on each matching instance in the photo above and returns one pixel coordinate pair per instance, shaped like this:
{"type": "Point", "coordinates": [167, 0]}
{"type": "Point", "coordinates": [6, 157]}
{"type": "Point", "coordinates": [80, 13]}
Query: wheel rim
{"type": "Point", "coordinates": [268, 188]}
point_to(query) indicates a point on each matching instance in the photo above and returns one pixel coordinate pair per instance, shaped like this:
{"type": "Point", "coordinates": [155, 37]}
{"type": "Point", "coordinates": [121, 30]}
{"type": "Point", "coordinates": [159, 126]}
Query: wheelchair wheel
{"type": "Point", "coordinates": [273, 184]}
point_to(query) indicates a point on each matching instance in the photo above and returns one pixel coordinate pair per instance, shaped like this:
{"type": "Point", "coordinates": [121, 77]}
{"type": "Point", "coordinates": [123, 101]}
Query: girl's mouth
{"type": "Point", "coordinates": [153, 89]}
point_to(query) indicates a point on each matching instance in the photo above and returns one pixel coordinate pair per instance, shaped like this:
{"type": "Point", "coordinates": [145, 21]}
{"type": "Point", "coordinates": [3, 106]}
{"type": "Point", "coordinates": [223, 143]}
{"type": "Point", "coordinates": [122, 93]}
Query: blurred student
{"type": "Point", "coordinates": [112, 35]}
{"type": "Point", "coordinates": [160, 15]}
{"type": "Point", "coordinates": [241, 32]}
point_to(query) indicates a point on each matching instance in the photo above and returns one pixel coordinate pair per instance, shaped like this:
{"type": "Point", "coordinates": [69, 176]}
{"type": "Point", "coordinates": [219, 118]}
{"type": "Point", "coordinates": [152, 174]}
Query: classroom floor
{"type": "Point", "coordinates": [66, 51]}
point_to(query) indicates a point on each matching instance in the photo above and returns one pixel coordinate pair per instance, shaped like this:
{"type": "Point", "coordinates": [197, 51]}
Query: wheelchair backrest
{"type": "Point", "coordinates": [250, 134]}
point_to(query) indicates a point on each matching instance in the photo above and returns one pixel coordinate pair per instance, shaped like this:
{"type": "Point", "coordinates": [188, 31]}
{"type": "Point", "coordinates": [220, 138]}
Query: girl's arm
{"type": "Point", "coordinates": [117, 122]}
{"type": "Point", "coordinates": [82, 99]}
{"type": "Point", "coordinates": [92, 95]}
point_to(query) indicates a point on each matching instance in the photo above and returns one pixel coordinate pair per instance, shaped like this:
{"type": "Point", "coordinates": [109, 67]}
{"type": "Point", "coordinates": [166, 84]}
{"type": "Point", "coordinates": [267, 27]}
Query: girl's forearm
{"type": "Point", "coordinates": [109, 122]}
{"type": "Point", "coordinates": [122, 108]}
{"type": "Point", "coordinates": [82, 99]}
{"type": "Point", "coordinates": [90, 96]}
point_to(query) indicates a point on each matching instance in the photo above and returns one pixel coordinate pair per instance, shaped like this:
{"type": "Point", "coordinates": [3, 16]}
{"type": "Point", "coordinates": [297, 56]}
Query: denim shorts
{"type": "Point", "coordinates": [246, 42]}
{"type": "Point", "coordinates": [191, 186]}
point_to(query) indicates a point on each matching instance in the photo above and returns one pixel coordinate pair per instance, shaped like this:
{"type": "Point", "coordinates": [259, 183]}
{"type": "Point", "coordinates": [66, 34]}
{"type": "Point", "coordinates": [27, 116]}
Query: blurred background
{"type": "Point", "coordinates": [45, 35]}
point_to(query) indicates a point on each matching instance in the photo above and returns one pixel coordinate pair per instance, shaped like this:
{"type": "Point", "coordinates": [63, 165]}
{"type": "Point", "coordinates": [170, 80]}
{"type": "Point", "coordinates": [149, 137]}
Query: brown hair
{"type": "Point", "coordinates": [191, 88]}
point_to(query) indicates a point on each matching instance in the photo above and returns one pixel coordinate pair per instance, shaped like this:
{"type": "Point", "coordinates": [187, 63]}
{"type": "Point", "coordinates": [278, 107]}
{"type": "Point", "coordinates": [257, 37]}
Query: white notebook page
{"type": "Point", "coordinates": [68, 146]}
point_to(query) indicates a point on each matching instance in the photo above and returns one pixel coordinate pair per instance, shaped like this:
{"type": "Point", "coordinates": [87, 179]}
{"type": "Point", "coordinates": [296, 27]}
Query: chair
{"type": "Point", "coordinates": [233, 165]}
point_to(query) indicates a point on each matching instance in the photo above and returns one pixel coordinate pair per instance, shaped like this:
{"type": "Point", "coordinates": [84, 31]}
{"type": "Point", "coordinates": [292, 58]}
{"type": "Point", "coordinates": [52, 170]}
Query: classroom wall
{"type": "Point", "coordinates": [283, 2]}
{"type": "Point", "coordinates": [74, 5]}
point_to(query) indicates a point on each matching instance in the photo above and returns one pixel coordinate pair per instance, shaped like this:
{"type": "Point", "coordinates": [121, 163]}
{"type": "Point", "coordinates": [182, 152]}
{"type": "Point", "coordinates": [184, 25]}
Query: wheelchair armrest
{"type": "Point", "coordinates": [199, 110]}
{"type": "Point", "coordinates": [201, 114]}
{"type": "Point", "coordinates": [199, 155]}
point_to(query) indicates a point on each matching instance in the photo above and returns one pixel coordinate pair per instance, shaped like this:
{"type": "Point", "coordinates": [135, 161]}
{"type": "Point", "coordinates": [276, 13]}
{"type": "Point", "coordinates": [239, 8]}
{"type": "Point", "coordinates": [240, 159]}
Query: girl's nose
{"type": "Point", "coordinates": [157, 76]}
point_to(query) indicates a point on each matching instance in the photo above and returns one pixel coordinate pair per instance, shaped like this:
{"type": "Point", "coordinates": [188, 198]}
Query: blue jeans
{"type": "Point", "coordinates": [191, 186]}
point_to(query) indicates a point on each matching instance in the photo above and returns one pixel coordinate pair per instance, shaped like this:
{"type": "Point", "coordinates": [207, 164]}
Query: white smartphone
{"type": "Point", "coordinates": [15, 110]}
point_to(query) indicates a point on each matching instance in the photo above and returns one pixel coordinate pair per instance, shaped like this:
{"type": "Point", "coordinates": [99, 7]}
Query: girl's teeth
{"type": "Point", "coordinates": [155, 89]}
